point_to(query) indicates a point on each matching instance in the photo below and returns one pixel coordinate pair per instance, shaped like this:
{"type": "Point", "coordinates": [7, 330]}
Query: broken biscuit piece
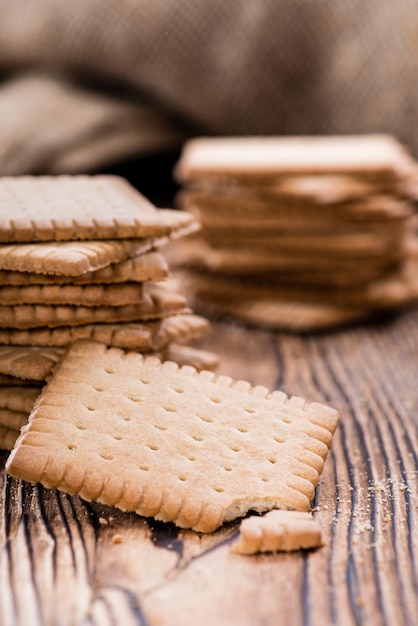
{"type": "Point", "coordinates": [276, 531]}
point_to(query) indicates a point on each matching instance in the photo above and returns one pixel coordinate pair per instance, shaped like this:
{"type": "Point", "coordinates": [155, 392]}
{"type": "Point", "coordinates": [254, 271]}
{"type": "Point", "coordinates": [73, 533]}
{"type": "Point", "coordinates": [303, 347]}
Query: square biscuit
{"type": "Point", "coordinates": [8, 437]}
{"type": "Point", "coordinates": [391, 290]}
{"type": "Point", "coordinates": [288, 315]}
{"type": "Point", "coordinates": [13, 419]}
{"type": "Point", "coordinates": [64, 208]}
{"type": "Point", "coordinates": [73, 258]}
{"type": "Point", "coordinates": [118, 294]}
{"type": "Point", "coordinates": [28, 362]}
{"type": "Point", "coordinates": [19, 399]}
{"type": "Point", "coordinates": [189, 355]}
{"type": "Point", "coordinates": [335, 189]}
{"type": "Point", "coordinates": [141, 268]}
{"type": "Point", "coordinates": [146, 336]}
{"type": "Point", "coordinates": [199, 254]}
{"type": "Point", "coordinates": [169, 442]}
{"type": "Point", "coordinates": [156, 302]}
{"type": "Point", "coordinates": [317, 190]}
{"type": "Point", "coordinates": [220, 207]}
{"type": "Point", "coordinates": [265, 159]}
{"type": "Point", "coordinates": [337, 245]}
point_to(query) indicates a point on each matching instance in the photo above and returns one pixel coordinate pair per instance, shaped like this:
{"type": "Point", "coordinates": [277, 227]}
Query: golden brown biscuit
{"type": "Point", "coordinates": [63, 208]}
{"type": "Point", "coordinates": [170, 442]}
{"type": "Point", "coordinates": [28, 362]}
{"type": "Point", "coordinates": [275, 531]}
{"type": "Point", "coordinates": [146, 336]}
{"type": "Point", "coordinates": [148, 266]}
{"type": "Point", "coordinates": [265, 159]}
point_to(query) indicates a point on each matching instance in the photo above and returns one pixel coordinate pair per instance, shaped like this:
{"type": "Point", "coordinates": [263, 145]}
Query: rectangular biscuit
{"type": "Point", "coordinates": [333, 277]}
{"type": "Point", "coordinates": [64, 208]}
{"type": "Point", "coordinates": [318, 190]}
{"type": "Point", "coordinates": [189, 355]}
{"type": "Point", "coordinates": [390, 290]}
{"type": "Point", "coordinates": [70, 258]}
{"type": "Point", "coordinates": [289, 315]}
{"type": "Point", "coordinates": [146, 336]}
{"type": "Point", "coordinates": [67, 294]}
{"type": "Point", "coordinates": [73, 258]}
{"type": "Point", "coordinates": [265, 159]}
{"type": "Point", "coordinates": [294, 278]}
{"type": "Point", "coordinates": [8, 437]}
{"type": "Point", "coordinates": [156, 302]}
{"type": "Point", "coordinates": [250, 206]}
{"type": "Point", "coordinates": [20, 399]}
{"type": "Point", "coordinates": [345, 245]}
{"type": "Point", "coordinates": [13, 419]}
{"type": "Point", "coordinates": [199, 254]}
{"type": "Point", "coordinates": [169, 442]}
{"type": "Point", "coordinates": [327, 190]}
{"type": "Point", "coordinates": [309, 189]}
{"type": "Point", "coordinates": [230, 227]}
{"type": "Point", "coordinates": [338, 189]}
{"type": "Point", "coordinates": [148, 266]}
{"type": "Point", "coordinates": [28, 362]}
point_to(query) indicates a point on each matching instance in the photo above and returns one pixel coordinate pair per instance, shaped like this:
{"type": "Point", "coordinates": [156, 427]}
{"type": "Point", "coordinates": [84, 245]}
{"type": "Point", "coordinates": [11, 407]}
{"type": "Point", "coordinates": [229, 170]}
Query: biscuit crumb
{"type": "Point", "coordinates": [117, 538]}
{"type": "Point", "coordinates": [103, 521]}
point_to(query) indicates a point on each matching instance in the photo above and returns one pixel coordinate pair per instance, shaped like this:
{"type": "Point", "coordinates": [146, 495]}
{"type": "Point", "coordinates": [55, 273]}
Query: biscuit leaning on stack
{"type": "Point", "coordinates": [175, 444]}
{"type": "Point", "coordinates": [78, 260]}
{"type": "Point", "coordinates": [298, 233]}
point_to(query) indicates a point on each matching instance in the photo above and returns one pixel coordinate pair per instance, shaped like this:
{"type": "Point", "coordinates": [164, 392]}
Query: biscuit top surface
{"type": "Point", "coordinates": [248, 157]}
{"type": "Point", "coordinates": [169, 442]}
{"type": "Point", "coordinates": [60, 208]}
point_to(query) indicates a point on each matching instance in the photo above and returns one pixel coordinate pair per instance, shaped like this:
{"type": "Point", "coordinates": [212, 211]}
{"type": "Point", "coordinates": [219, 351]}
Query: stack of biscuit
{"type": "Point", "coordinates": [298, 233]}
{"type": "Point", "coordinates": [79, 259]}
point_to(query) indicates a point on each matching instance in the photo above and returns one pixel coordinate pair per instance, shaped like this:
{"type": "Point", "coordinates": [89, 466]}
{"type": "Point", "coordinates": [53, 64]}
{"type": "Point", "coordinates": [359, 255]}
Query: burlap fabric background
{"type": "Point", "coordinates": [89, 82]}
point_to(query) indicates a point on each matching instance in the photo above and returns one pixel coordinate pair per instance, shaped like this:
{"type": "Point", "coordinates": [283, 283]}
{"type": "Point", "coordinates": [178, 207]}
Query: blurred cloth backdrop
{"type": "Point", "coordinates": [89, 83]}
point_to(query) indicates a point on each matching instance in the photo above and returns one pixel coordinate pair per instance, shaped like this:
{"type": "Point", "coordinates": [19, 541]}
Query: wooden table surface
{"type": "Point", "coordinates": [65, 561]}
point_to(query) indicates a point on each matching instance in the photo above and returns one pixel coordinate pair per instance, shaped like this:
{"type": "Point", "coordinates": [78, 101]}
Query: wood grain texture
{"type": "Point", "coordinates": [65, 561]}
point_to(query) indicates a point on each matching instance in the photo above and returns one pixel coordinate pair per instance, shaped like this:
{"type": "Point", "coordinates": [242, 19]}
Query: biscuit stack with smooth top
{"type": "Point", "coordinates": [78, 259]}
{"type": "Point", "coordinates": [298, 233]}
